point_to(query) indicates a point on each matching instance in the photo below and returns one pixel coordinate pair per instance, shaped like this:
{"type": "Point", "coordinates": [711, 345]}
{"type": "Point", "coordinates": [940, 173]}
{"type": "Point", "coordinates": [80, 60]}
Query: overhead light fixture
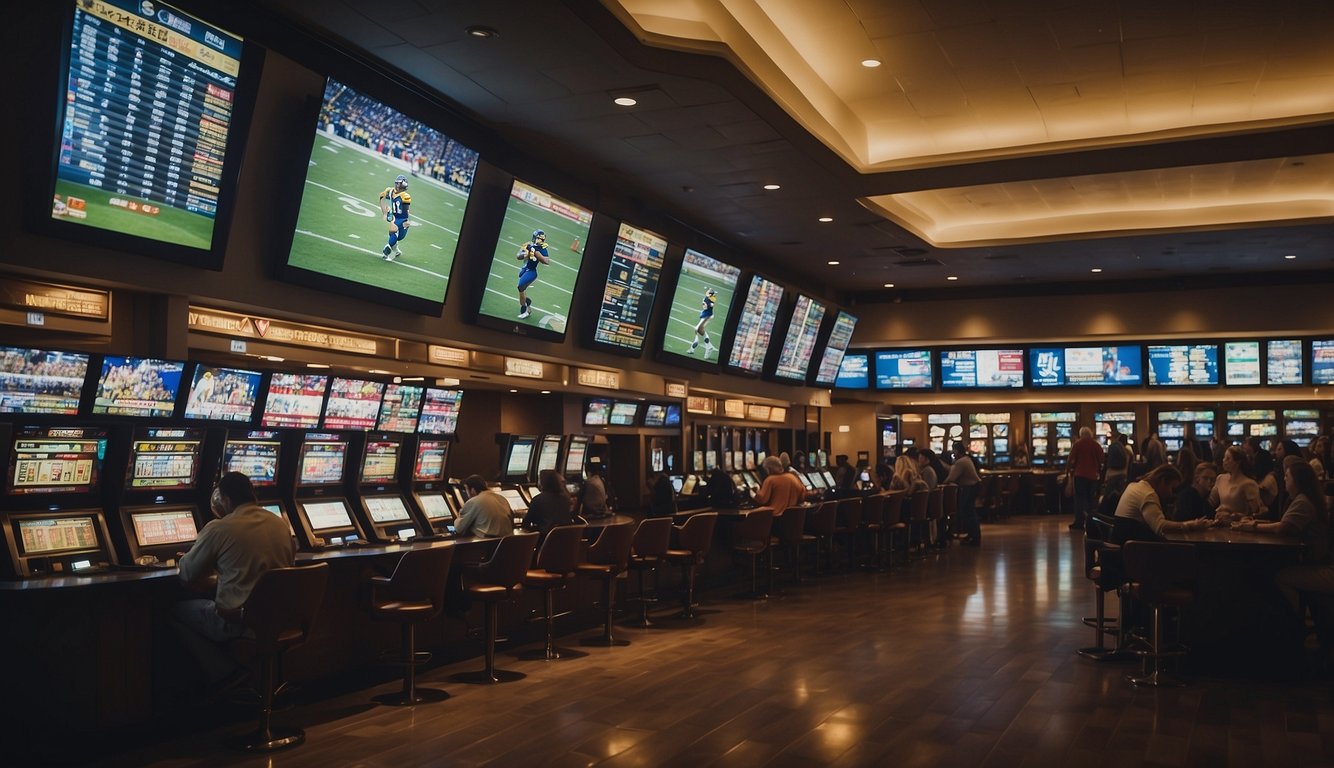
{"type": "Point", "coordinates": [514, 391]}
{"type": "Point", "coordinates": [414, 378]}
{"type": "Point", "coordinates": [870, 63]}
{"type": "Point", "coordinates": [447, 382]}
{"type": "Point", "coordinates": [772, 187]}
{"type": "Point", "coordinates": [825, 219]}
{"type": "Point", "coordinates": [625, 101]}
{"type": "Point", "coordinates": [889, 285]}
{"type": "Point", "coordinates": [482, 31]}
{"type": "Point", "coordinates": [1096, 269]}
{"type": "Point", "coordinates": [316, 365]}
{"type": "Point", "coordinates": [379, 371]}
{"type": "Point", "coordinates": [1290, 256]}
{"type": "Point", "coordinates": [546, 391]}
{"type": "Point", "coordinates": [952, 277]}
{"type": "Point", "coordinates": [833, 263]}
{"type": "Point", "coordinates": [272, 358]}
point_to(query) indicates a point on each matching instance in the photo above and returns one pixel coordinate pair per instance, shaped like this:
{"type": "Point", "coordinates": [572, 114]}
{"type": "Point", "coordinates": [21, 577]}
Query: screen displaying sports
{"type": "Point", "coordinates": [1322, 362]}
{"type": "Point", "coordinates": [400, 409]}
{"type": "Point", "coordinates": [1183, 365]}
{"type": "Point", "coordinates": [322, 460]}
{"type": "Point", "coordinates": [294, 400]}
{"type": "Point", "coordinates": [835, 349]}
{"type": "Point", "coordinates": [383, 200]}
{"type": "Point", "coordinates": [167, 526]}
{"type": "Point", "coordinates": [1117, 366]}
{"type": "Point", "coordinates": [755, 326]}
{"type": "Point", "coordinates": [380, 463]}
{"type": "Point", "coordinates": [903, 369]}
{"type": "Point", "coordinates": [255, 456]}
{"type": "Point", "coordinates": [854, 372]}
{"type": "Point", "coordinates": [632, 285]}
{"type": "Point", "coordinates": [225, 394]}
{"type": "Point", "coordinates": [597, 412]}
{"type": "Point", "coordinates": [536, 262]}
{"type": "Point", "coordinates": [353, 404]}
{"type": "Point", "coordinates": [440, 412]}
{"type": "Point", "coordinates": [548, 453]}
{"type": "Point", "coordinates": [134, 386]}
{"type": "Point", "coordinates": [164, 459]}
{"type": "Point", "coordinates": [48, 535]}
{"type": "Point", "coordinates": [430, 463]}
{"type": "Point", "coordinates": [327, 515]}
{"type": "Point", "coordinates": [520, 456]}
{"type": "Point", "coordinates": [574, 457]}
{"type": "Point", "coordinates": [56, 460]}
{"type": "Point", "coordinates": [145, 122]}
{"type": "Point", "coordinates": [705, 290]}
{"type": "Point", "coordinates": [37, 381]}
{"type": "Point", "coordinates": [982, 369]}
{"type": "Point", "coordinates": [386, 509]}
{"type": "Point", "coordinates": [1283, 362]}
{"type": "Point", "coordinates": [624, 414]}
{"type": "Point", "coordinates": [794, 359]}
{"type": "Point", "coordinates": [655, 415]}
{"type": "Point", "coordinates": [1241, 361]}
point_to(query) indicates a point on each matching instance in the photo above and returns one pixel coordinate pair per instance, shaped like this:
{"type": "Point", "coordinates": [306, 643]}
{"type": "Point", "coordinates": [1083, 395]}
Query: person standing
{"type": "Point", "coordinates": [532, 253]}
{"type": "Point", "coordinates": [1155, 453]}
{"type": "Point", "coordinates": [394, 204]}
{"type": "Point", "coordinates": [1118, 464]}
{"type": "Point", "coordinates": [1084, 465]}
{"type": "Point", "coordinates": [963, 472]}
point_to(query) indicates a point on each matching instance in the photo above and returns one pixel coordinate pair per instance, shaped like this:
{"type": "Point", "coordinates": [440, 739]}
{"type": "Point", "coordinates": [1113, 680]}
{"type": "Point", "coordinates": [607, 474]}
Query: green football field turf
{"type": "Point", "coordinates": [171, 225]}
{"type": "Point", "coordinates": [685, 314]}
{"type": "Point", "coordinates": [341, 231]}
{"type": "Point", "coordinates": [553, 290]}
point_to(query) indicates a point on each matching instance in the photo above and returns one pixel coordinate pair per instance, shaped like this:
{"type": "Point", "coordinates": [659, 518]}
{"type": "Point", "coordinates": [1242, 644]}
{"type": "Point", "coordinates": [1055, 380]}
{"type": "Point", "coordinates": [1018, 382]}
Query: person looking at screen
{"type": "Point", "coordinates": [705, 315]}
{"type": "Point", "coordinates": [485, 513]}
{"type": "Point", "coordinates": [780, 489]}
{"type": "Point", "coordinates": [241, 545]}
{"type": "Point", "coordinates": [394, 202]}
{"type": "Point", "coordinates": [1193, 500]}
{"type": "Point", "coordinates": [595, 491]}
{"type": "Point", "coordinates": [552, 506]}
{"type": "Point", "coordinates": [531, 253]}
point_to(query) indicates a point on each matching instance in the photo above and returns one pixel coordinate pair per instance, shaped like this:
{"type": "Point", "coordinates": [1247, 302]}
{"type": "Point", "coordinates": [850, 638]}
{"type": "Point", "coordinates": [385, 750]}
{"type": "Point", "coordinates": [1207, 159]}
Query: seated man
{"type": "Point", "coordinates": [485, 513]}
{"type": "Point", "coordinates": [1139, 513]}
{"type": "Point", "coordinates": [1193, 501]}
{"type": "Point", "coordinates": [245, 541]}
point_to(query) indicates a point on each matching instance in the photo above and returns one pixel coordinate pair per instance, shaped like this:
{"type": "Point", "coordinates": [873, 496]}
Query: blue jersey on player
{"type": "Point", "coordinates": [394, 201]}
{"type": "Point", "coordinates": [535, 253]}
{"type": "Point", "coordinates": [706, 306]}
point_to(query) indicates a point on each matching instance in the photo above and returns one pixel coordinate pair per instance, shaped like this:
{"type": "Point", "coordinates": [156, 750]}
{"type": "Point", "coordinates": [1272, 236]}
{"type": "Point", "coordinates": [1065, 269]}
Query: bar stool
{"type": "Point", "coordinates": [1009, 493]}
{"type": "Point", "coordinates": [1102, 566]}
{"type": "Point", "coordinates": [499, 578]}
{"type": "Point", "coordinates": [652, 539]}
{"type": "Point", "coordinates": [935, 512]}
{"type": "Point", "coordinates": [949, 519]}
{"type": "Point", "coordinates": [555, 570]}
{"type": "Point", "coordinates": [415, 593]}
{"type": "Point", "coordinates": [693, 539]}
{"type": "Point", "coordinates": [873, 522]}
{"type": "Point", "coordinates": [893, 522]}
{"type": "Point", "coordinates": [790, 533]}
{"type": "Point", "coordinates": [820, 523]}
{"type": "Point", "coordinates": [607, 559]}
{"type": "Point", "coordinates": [917, 511]}
{"type": "Point", "coordinates": [849, 520]}
{"type": "Point", "coordinates": [750, 537]}
{"type": "Point", "coordinates": [1163, 576]}
{"type": "Point", "coordinates": [278, 615]}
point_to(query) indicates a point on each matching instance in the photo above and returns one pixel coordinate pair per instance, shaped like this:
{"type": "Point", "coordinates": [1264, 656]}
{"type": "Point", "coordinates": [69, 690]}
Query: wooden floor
{"type": "Point", "coordinates": [964, 659]}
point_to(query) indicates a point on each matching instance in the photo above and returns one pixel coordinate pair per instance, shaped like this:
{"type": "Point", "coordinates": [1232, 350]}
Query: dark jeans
{"type": "Point", "coordinates": [1085, 499]}
{"type": "Point", "coordinates": [968, 513]}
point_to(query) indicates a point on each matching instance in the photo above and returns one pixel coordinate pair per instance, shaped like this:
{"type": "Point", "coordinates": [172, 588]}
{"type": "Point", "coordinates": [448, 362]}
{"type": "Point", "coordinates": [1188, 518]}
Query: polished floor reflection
{"type": "Point", "coordinates": [961, 659]}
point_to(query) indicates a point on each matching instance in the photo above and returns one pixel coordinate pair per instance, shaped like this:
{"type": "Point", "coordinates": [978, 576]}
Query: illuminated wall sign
{"type": "Point", "coordinates": [528, 369]}
{"type": "Point", "coordinates": [451, 356]}
{"type": "Point", "coordinates": [756, 412]}
{"type": "Point", "coordinates": [223, 323]}
{"type": "Point", "coordinates": [734, 409]}
{"type": "Point", "coordinates": [699, 404]}
{"type": "Point", "coordinates": [677, 389]}
{"type": "Point", "coordinates": [602, 379]}
{"type": "Point", "coordinates": [55, 299]}
{"type": "Point", "coordinates": [778, 414]}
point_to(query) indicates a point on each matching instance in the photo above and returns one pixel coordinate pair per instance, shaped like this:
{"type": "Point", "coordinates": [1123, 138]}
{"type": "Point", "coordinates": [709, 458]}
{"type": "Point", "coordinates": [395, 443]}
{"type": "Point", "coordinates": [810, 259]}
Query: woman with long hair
{"type": "Point", "coordinates": [1235, 496]}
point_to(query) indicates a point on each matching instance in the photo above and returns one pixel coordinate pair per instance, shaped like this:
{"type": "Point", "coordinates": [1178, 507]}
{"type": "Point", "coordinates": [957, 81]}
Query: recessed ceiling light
{"type": "Point", "coordinates": [271, 358]}
{"type": "Point", "coordinates": [826, 219]}
{"type": "Point", "coordinates": [546, 391]}
{"type": "Point", "coordinates": [316, 365]}
{"type": "Point", "coordinates": [772, 187]}
{"type": "Point", "coordinates": [870, 63]}
{"type": "Point", "coordinates": [514, 391]}
{"type": "Point", "coordinates": [1290, 256]}
{"type": "Point", "coordinates": [833, 263]}
{"type": "Point", "coordinates": [889, 285]}
{"type": "Point", "coordinates": [1096, 269]}
{"type": "Point", "coordinates": [625, 101]}
{"type": "Point", "coordinates": [380, 371]}
{"type": "Point", "coordinates": [952, 277]}
{"type": "Point", "coordinates": [482, 31]}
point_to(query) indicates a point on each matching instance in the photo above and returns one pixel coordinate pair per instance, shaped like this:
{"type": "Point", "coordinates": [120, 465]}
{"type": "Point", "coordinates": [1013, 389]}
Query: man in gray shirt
{"type": "Point", "coordinates": [485, 513]}
{"type": "Point", "coordinates": [964, 473]}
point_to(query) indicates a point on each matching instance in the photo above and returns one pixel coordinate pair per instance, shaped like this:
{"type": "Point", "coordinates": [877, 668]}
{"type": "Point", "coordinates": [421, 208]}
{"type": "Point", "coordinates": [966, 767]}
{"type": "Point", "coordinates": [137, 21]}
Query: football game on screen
{"type": "Point", "coordinates": [383, 200]}
{"type": "Point", "coordinates": [704, 294]}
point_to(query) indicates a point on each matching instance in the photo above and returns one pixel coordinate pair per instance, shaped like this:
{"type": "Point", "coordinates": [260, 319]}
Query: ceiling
{"type": "Point", "coordinates": [1018, 146]}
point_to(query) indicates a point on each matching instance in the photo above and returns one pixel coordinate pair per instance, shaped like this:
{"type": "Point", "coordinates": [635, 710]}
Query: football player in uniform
{"type": "Point", "coordinates": [394, 202]}
{"type": "Point", "coordinates": [531, 254]}
{"type": "Point", "coordinates": [705, 315]}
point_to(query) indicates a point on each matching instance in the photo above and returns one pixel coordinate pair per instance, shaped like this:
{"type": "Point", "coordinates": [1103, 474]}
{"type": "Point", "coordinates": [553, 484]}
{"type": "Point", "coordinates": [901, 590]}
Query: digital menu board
{"type": "Point", "coordinates": [1241, 363]}
{"type": "Point", "coordinates": [794, 359]}
{"type": "Point", "coordinates": [38, 381]}
{"type": "Point", "coordinates": [440, 411]}
{"type": "Point", "coordinates": [294, 400]}
{"type": "Point", "coordinates": [1283, 362]}
{"type": "Point", "coordinates": [1110, 366]}
{"type": "Point", "coordinates": [982, 369]}
{"type": "Point", "coordinates": [430, 463]}
{"type": "Point", "coordinates": [380, 464]}
{"type": "Point", "coordinates": [543, 238]}
{"type": "Point", "coordinates": [705, 292]}
{"type": "Point", "coordinates": [854, 372]}
{"type": "Point", "coordinates": [1322, 362]}
{"type": "Point", "coordinates": [145, 124]}
{"type": "Point", "coordinates": [382, 204]}
{"type": "Point", "coordinates": [400, 408]}
{"type": "Point", "coordinates": [623, 414]}
{"type": "Point", "coordinates": [834, 350]}
{"type": "Point", "coordinates": [56, 460]}
{"type": "Point", "coordinates": [755, 325]}
{"type": "Point", "coordinates": [353, 404]}
{"type": "Point", "coordinates": [632, 285]}
{"type": "Point", "coordinates": [134, 386]}
{"type": "Point", "coordinates": [225, 394]}
{"type": "Point", "coordinates": [1183, 365]}
{"type": "Point", "coordinates": [164, 459]}
{"type": "Point", "coordinates": [903, 369]}
{"type": "Point", "coordinates": [255, 456]}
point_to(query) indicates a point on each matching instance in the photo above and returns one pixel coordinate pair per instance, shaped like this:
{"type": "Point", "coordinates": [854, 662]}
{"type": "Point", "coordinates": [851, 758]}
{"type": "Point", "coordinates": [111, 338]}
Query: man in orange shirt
{"type": "Point", "coordinates": [780, 489]}
{"type": "Point", "coordinates": [1085, 464]}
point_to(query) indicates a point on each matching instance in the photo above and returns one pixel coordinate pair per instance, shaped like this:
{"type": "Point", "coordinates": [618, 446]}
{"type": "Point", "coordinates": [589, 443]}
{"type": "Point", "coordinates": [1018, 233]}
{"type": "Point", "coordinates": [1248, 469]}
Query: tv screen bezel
{"type": "Point", "coordinates": [717, 332]}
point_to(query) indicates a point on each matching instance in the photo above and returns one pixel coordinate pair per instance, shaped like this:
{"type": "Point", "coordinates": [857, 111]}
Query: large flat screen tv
{"type": "Point", "coordinates": [981, 369]}
{"type": "Point", "coordinates": [904, 369]}
{"type": "Point", "coordinates": [854, 372]}
{"type": "Point", "coordinates": [1107, 366]}
{"type": "Point", "coordinates": [222, 394]}
{"type": "Point", "coordinates": [382, 204]}
{"type": "Point", "coordinates": [41, 381]}
{"type": "Point", "coordinates": [1283, 362]}
{"type": "Point", "coordinates": [794, 357]}
{"type": "Point", "coordinates": [749, 343]}
{"type": "Point", "coordinates": [835, 347]}
{"type": "Point", "coordinates": [137, 386]}
{"type": "Point", "coordinates": [705, 293]}
{"type": "Point", "coordinates": [1241, 363]}
{"type": "Point", "coordinates": [631, 287]}
{"type": "Point", "coordinates": [1183, 365]}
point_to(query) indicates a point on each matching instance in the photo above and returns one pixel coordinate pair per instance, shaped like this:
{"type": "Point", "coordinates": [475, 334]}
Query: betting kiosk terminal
{"type": "Point", "coordinates": [324, 516]}
{"type": "Point", "coordinates": [383, 507]}
{"type": "Point", "coordinates": [548, 457]}
{"type": "Point", "coordinates": [572, 463]}
{"type": "Point", "coordinates": [432, 493]}
{"type": "Point", "coordinates": [516, 464]}
{"type": "Point", "coordinates": [160, 512]}
{"type": "Point", "coordinates": [52, 520]}
{"type": "Point", "coordinates": [256, 455]}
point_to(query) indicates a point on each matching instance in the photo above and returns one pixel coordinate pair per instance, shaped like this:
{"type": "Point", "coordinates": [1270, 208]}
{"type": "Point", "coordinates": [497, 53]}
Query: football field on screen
{"type": "Point", "coordinates": [684, 314]}
{"type": "Point", "coordinates": [553, 290]}
{"type": "Point", "coordinates": [341, 231]}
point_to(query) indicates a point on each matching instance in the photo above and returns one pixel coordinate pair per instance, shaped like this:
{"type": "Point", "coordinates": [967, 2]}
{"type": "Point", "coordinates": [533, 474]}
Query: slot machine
{"type": "Point", "coordinates": [164, 503]}
{"type": "Point", "coordinates": [516, 469]}
{"type": "Point", "coordinates": [431, 492]}
{"type": "Point", "coordinates": [318, 491]}
{"type": "Point", "coordinates": [572, 463]}
{"type": "Point", "coordinates": [256, 454]}
{"type": "Point", "coordinates": [548, 457]}
{"type": "Point", "coordinates": [378, 496]}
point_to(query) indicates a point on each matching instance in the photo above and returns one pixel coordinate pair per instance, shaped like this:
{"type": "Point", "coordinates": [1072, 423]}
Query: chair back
{"type": "Point", "coordinates": [791, 524]}
{"type": "Point", "coordinates": [509, 563]}
{"type": "Point", "coordinates": [850, 512]}
{"type": "Point", "coordinates": [755, 525]}
{"type": "Point", "coordinates": [283, 602]}
{"type": "Point", "coordinates": [613, 545]}
{"type": "Point", "coordinates": [822, 520]}
{"type": "Point", "coordinates": [652, 538]}
{"type": "Point", "coordinates": [935, 506]}
{"type": "Point", "coordinates": [420, 577]}
{"type": "Point", "coordinates": [696, 533]}
{"type": "Point", "coordinates": [917, 506]}
{"type": "Point", "coordinates": [560, 549]}
{"type": "Point", "coordinates": [1157, 567]}
{"type": "Point", "coordinates": [894, 507]}
{"type": "Point", "coordinates": [949, 494]}
{"type": "Point", "coordinates": [873, 509]}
